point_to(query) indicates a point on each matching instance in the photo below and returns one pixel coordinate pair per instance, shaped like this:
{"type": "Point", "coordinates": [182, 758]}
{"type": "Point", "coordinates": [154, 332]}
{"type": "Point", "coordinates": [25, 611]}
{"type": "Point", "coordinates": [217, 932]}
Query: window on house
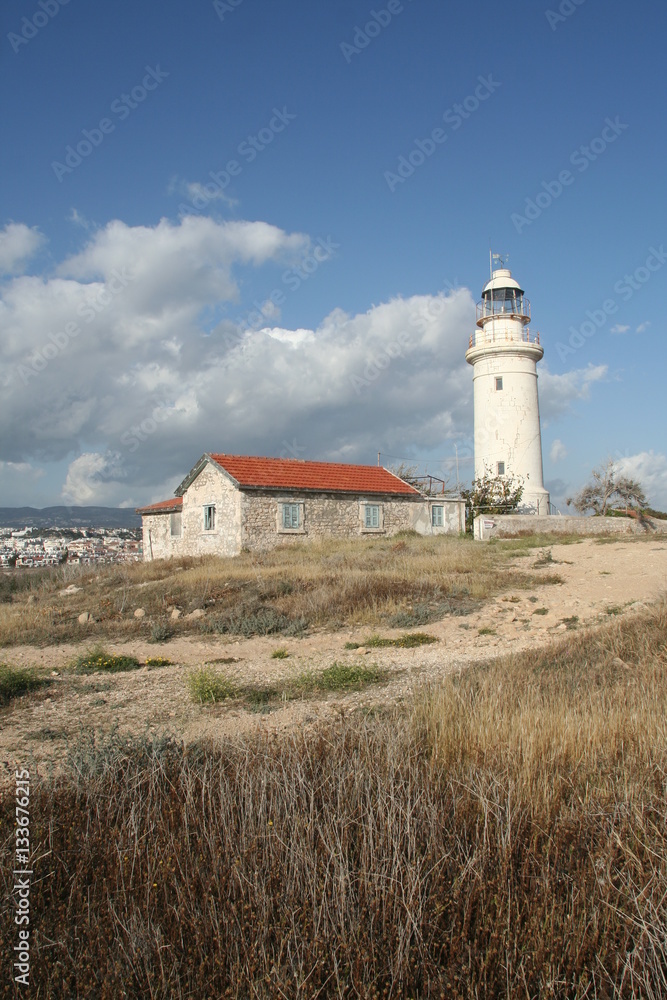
{"type": "Point", "coordinates": [290, 515]}
{"type": "Point", "coordinates": [176, 524]}
{"type": "Point", "coordinates": [499, 384]}
{"type": "Point", "coordinates": [437, 516]}
{"type": "Point", "coordinates": [209, 517]}
{"type": "Point", "coordinates": [501, 468]}
{"type": "Point", "coordinates": [372, 515]}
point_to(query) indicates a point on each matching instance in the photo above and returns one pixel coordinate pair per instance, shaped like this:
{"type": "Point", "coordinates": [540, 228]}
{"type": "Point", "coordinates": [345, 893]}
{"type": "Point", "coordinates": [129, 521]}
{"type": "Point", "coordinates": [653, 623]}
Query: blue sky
{"type": "Point", "coordinates": [130, 335]}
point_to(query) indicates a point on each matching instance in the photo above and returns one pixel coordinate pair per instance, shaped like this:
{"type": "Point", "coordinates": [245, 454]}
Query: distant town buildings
{"type": "Point", "coordinates": [30, 548]}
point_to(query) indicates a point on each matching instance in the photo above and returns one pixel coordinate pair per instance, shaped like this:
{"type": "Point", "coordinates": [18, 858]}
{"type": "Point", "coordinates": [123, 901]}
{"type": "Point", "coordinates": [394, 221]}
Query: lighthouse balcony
{"type": "Point", "coordinates": [498, 335]}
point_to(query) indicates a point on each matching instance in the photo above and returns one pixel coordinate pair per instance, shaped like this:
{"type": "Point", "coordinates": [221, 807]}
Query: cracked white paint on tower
{"type": "Point", "coordinates": [504, 357]}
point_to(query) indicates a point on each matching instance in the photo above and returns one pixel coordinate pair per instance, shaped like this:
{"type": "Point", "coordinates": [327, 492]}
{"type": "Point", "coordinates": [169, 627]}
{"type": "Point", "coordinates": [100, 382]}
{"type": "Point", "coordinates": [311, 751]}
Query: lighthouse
{"type": "Point", "coordinates": [504, 355]}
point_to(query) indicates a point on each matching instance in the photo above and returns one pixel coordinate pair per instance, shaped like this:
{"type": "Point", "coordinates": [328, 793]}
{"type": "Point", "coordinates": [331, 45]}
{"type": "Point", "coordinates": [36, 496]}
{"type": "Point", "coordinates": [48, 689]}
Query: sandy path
{"type": "Point", "coordinates": [616, 577]}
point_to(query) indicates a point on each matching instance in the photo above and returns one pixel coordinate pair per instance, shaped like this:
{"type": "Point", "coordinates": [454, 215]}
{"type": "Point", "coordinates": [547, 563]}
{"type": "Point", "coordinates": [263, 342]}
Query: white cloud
{"type": "Point", "coordinates": [155, 375]}
{"type": "Point", "coordinates": [559, 392]}
{"type": "Point", "coordinates": [18, 243]}
{"type": "Point", "coordinates": [650, 468]}
{"type": "Point", "coordinates": [618, 328]}
{"type": "Point", "coordinates": [558, 451]}
{"type": "Point", "coordinates": [643, 327]}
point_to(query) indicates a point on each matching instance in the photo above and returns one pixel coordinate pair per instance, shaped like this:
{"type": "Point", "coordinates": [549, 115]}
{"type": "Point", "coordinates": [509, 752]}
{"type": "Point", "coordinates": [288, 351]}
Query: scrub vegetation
{"type": "Point", "coordinates": [501, 835]}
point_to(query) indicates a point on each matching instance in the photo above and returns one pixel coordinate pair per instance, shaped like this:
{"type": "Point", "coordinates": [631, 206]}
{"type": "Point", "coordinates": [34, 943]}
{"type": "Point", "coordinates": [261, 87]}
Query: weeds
{"type": "Point", "coordinates": [100, 661]}
{"type": "Point", "coordinates": [505, 840]}
{"type": "Point", "coordinates": [541, 611]}
{"type": "Point", "coordinates": [161, 632]}
{"type": "Point", "coordinates": [207, 686]}
{"type": "Point", "coordinates": [279, 654]}
{"type": "Point", "coordinates": [16, 681]}
{"type": "Point", "coordinates": [338, 677]}
{"type": "Point", "coordinates": [332, 584]}
{"type": "Point", "coordinates": [158, 661]}
{"type": "Point", "coordinates": [408, 640]}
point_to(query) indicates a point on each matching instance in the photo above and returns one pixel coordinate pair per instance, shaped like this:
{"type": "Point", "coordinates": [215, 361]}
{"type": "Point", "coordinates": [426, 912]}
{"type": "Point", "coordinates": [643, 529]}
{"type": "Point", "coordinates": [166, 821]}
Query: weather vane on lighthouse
{"type": "Point", "coordinates": [504, 356]}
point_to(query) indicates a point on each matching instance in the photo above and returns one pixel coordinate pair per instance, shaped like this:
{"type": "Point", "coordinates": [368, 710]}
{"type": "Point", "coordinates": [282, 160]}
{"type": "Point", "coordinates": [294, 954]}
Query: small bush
{"type": "Point", "coordinates": [257, 621]}
{"type": "Point", "coordinates": [545, 558]}
{"type": "Point", "coordinates": [279, 654]}
{"type": "Point", "coordinates": [100, 661]}
{"type": "Point", "coordinates": [158, 661]}
{"type": "Point", "coordinates": [206, 686]}
{"type": "Point", "coordinates": [161, 632]}
{"type": "Point", "coordinates": [541, 611]}
{"type": "Point", "coordinates": [571, 622]}
{"type": "Point", "coordinates": [420, 614]}
{"type": "Point", "coordinates": [486, 631]}
{"type": "Point", "coordinates": [406, 641]}
{"type": "Point", "coordinates": [340, 677]}
{"type": "Point", "coordinates": [15, 681]}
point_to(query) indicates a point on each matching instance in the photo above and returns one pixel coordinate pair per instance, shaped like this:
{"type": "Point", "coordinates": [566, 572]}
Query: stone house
{"type": "Point", "coordinates": [232, 502]}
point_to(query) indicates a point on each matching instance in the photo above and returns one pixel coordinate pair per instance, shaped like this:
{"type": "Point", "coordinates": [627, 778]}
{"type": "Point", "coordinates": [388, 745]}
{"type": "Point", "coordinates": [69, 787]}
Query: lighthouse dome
{"type": "Point", "coordinates": [502, 278]}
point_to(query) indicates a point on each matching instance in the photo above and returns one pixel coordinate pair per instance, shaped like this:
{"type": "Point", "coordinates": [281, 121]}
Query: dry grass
{"type": "Point", "coordinates": [402, 583]}
{"type": "Point", "coordinates": [506, 840]}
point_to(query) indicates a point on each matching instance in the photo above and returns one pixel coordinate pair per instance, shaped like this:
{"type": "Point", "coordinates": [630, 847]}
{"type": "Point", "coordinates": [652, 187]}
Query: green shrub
{"type": "Point", "coordinates": [100, 661]}
{"type": "Point", "coordinates": [409, 640]}
{"type": "Point", "coordinates": [15, 681]}
{"type": "Point", "coordinates": [340, 677]}
{"type": "Point", "coordinates": [279, 654]}
{"type": "Point", "coordinates": [206, 686]}
{"type": "Point", "coordinates": [158, 661]}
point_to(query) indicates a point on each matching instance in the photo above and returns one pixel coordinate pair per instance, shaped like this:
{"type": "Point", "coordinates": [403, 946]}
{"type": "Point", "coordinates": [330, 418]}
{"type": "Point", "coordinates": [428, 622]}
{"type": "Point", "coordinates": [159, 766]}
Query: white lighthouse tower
{"type": "Point", "coordinates": [504, 357]}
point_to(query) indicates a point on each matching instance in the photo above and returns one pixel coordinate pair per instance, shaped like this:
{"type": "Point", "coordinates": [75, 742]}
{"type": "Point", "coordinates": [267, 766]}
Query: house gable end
{"type": "Point", "coordinates": [205, 460]}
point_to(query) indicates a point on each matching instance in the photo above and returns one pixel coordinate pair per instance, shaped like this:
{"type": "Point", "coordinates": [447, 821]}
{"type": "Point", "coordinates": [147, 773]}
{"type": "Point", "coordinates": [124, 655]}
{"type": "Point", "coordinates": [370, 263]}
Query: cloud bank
{"type": "Point", "coordinates": [125, 363]}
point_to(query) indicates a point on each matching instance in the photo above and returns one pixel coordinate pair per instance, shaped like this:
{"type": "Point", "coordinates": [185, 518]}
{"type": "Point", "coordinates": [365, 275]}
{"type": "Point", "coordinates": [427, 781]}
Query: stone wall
{"type": "Point", "coordinates": [510, 525]}
{"type": "Point", "coordinates": [157, 540]}
{"type": "Point", "coordinates": [212, 488]}
{"type": "Point", "coordinates": [323, 515]}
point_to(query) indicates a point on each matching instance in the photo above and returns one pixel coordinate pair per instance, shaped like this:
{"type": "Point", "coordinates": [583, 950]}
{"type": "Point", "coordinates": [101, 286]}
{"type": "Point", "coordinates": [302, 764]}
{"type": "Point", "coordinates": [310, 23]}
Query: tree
{"type": "Point", "coordinates": [492, 495]}
{"type": "Point", "coordinates": [607, 486]}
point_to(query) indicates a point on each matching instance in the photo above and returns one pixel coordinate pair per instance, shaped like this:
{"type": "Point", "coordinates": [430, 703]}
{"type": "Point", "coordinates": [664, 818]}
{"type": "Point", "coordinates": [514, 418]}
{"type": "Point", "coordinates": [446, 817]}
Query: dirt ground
{"type": "Point", "coordinates": [600, 579]}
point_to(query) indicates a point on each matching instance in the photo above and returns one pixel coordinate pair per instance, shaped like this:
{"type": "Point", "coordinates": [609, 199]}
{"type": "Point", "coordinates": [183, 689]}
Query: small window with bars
{"type": "Point", "coordinates": [437, 515]}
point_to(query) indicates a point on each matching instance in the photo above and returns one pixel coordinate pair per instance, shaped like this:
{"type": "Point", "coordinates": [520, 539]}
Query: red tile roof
{"type": "Point", "coordinates": [327, 477]}
{"type": "Point", "coordinates": [163, 507]}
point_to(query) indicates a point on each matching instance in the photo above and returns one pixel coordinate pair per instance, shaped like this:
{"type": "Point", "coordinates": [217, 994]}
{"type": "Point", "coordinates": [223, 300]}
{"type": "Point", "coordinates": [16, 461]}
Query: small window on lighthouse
{"type": "Point", "coordinates": [501, 468]}
{"type": "Point", "coordinates": [499, 384]}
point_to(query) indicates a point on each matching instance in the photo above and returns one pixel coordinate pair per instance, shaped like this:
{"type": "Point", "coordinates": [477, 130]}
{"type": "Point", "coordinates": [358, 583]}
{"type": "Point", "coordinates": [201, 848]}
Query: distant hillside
{"type": "Point", "coordinates": [69, 517]}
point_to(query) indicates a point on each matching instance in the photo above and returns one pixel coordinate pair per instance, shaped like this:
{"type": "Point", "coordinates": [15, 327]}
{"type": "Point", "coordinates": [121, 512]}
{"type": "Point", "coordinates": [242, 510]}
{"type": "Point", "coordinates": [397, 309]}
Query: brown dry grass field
{"type": "Point", "coordinates": [479, 816]}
